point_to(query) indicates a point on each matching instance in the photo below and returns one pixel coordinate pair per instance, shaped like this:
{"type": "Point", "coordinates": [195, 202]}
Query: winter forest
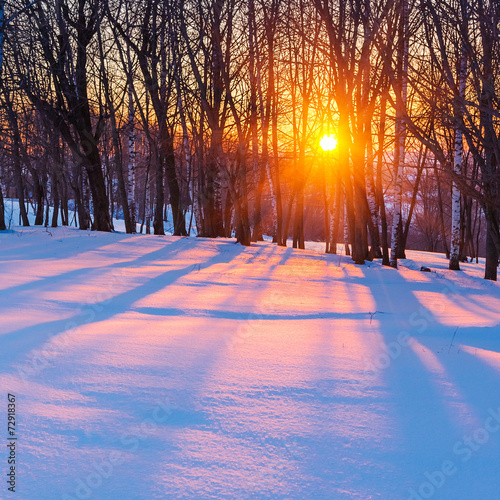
{"type": "Point", "coordinates": [206, 117]}
{"type": "Point", "coordinates": [249, 249]}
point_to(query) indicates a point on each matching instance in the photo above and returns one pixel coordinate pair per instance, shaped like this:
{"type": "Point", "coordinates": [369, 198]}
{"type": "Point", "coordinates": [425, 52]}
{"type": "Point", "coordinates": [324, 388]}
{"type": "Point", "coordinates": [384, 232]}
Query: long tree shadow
{"type": "Point", "coordinates": [188, 359]}
{"type": "Point", "coordinates": [194, 399]}
{"type": "Point", "coordinates": [249, 316]}
{"type": "Point", "coordinates": [20, 342]}
{"type": "Point", "coordinates": [413, 370]}
{"type": "Point", "coordinates": [464, 360]}
{"type": "Point", "coordinates": [74, 275]}
{"type": "Point", "coordinates": [202, 412]}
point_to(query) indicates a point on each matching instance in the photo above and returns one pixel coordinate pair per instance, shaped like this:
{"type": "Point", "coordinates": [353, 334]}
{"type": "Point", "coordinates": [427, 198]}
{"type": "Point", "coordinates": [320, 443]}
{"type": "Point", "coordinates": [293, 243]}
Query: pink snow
{"type": "Point", "coordinates": [163, 367]}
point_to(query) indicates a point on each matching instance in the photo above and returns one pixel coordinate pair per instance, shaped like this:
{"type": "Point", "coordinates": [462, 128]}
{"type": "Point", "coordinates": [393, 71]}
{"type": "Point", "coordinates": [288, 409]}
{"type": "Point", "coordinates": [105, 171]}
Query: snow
{"type": "Point", "coordinates": [12, 218]}
{"type": "Point", "coordinates": [164, 367]}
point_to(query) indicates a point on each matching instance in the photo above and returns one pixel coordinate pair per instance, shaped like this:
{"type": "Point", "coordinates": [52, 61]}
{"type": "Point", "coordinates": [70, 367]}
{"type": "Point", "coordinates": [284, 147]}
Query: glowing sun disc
{"type": "Point", "coordinates": [328, 142]}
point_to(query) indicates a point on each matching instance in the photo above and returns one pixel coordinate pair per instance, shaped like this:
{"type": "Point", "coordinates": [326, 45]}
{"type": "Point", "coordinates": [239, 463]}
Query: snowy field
{"type": "Point", "coordinates": [150, 367]}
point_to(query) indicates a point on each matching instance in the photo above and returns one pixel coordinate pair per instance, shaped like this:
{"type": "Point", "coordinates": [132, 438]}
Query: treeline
{"type": "Point", "coordinates": [213, 110]}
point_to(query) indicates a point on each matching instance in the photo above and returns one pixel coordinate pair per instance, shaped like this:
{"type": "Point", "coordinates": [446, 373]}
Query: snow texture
{"type": "Point", "coordinates": [153, 367]}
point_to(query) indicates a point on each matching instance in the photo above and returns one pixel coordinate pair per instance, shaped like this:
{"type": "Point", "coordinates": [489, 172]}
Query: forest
{"type": "Point", "coordinates": [367, 124]}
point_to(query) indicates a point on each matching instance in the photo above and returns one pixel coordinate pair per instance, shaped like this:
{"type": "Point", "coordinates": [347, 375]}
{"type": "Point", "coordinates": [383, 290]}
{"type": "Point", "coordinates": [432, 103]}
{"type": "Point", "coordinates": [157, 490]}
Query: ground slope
{"type": "Point", "coordinates": [162, 367]}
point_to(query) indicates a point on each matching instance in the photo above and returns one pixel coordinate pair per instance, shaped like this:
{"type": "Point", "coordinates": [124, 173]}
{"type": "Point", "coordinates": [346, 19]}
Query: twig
{"type": "Point", "coordinates": [453, 339]}
{"type": "Point", "coordinates": [373, 314]}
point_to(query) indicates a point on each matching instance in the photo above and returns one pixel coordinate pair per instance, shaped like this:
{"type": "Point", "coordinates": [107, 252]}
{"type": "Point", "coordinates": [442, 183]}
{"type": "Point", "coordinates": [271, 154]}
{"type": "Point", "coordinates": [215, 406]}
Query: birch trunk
{"type": "Point", "coordinates": [399, 157]}
{"type": "Point", "coordinates": [457, 169]}
{"type": "Point", "coordinates": [131, 154]}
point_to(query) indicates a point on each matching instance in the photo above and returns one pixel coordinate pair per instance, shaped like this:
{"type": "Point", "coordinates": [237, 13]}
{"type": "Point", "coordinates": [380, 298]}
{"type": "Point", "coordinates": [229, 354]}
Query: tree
{"type": "Point", "coordinates": [401, 91]}
{"type": "Point", "coordinates": [63, 60]}
{"type": "Point", "coordinates": [149, 42]}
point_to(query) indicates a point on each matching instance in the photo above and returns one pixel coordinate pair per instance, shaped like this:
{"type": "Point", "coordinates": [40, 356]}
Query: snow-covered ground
{"type": "Point", "coordinates": [150, 367]}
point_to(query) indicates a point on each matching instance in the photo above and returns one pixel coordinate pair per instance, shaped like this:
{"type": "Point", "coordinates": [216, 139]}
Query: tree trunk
{"type": "Point", "coordinates": [39, 194]}
{"type": "Point", "coordinates": [380, 190]}
{"type": "Point", "coordinates": [257, 171]}
{"type": "Point", "coordinates": [3, 227]}
{"type": "Point", "coordinates": [18, 176]}
{"type": "Point", "coordinates": [131, 149]}
{"type": "Point", "coordinates": [158, 214]}
{"type": "Point", "coordinates": [492, 232]}
{"type": "Point", "coordinates": [399, 157]}
{"type": "Point", "coordinates": [457, 168]}
{"type": "Point", "coordinates": [240, 201]}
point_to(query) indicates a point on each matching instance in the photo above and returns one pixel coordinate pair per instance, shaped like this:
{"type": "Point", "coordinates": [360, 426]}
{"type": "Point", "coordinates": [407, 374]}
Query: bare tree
{"type": "Point", "coordinates": [63, 60]}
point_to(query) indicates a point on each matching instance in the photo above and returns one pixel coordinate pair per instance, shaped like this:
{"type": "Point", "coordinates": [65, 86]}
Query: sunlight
{"type": "Point", "coordinates": [328, 142]}
{"type": "Point", "coordinates": [451, 310]}
{"type": "Point", "coordinates": [492, 358]}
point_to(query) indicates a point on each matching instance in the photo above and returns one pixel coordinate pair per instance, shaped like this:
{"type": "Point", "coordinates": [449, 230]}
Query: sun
{"type": "Point", "coordinates": [328, 142]}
